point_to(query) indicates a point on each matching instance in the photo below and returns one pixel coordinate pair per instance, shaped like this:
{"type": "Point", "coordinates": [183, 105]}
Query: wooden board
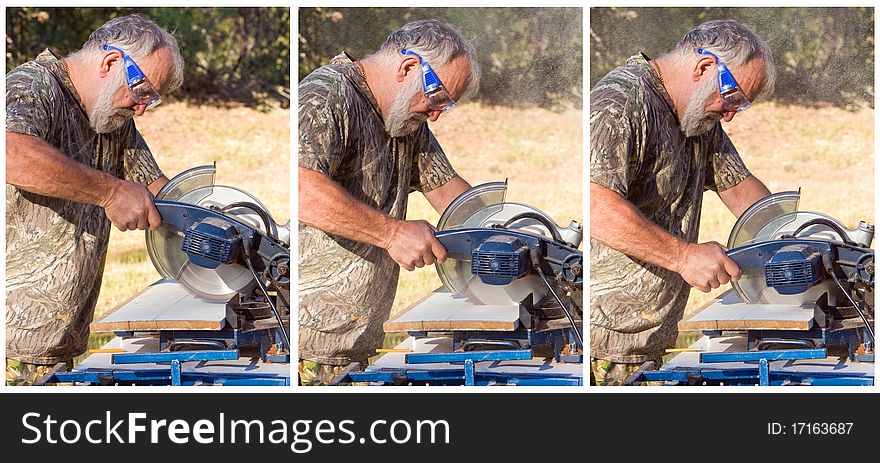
{"type": "Point", "coordinates": [165, 305]}
{"type": "Point", "coordinates": [443, 311]}
{"type": "Point", "coordinates": [729, 313]}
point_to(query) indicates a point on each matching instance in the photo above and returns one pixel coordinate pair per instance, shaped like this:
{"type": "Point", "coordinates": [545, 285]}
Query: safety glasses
{"type": "Point", "coordinates": [438, 98]}
{"type": "Point", "coordinates": [142, 91]}
{"type": "Point", "coordinates": [731, 94]}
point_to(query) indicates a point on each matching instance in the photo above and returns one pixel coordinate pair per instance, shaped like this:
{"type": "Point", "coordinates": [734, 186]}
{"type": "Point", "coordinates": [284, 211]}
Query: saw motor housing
{"type": "Point", "coordinates": [794, 269]}
{"type": "Point", "coordinates": [210, 242]}
{"type": "Point", "coordinates": [500, 260]}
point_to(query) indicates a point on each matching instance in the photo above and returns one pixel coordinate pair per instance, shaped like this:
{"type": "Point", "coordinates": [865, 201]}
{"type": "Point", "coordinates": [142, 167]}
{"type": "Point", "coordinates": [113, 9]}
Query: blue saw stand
{"type": "Point", "coordinates": [153, 351]}
{"type": "Point", "coordinates": [838, 355]}
{"type": "Point", "coordinates": [520, 351]}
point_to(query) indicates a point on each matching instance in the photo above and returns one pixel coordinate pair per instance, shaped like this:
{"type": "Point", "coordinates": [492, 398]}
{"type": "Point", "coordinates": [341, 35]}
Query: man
{"type": "Point", "coordinates": [75, 163]}
{"type": "Point", "coordinates": [364, 146]}
{"type": "Point", "coordinates": [656, 143]}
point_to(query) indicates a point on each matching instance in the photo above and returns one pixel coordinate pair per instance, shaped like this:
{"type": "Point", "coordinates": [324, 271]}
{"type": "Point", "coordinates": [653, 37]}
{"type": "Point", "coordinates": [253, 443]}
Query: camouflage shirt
{"type": "Point", "coordinates": [346, 288]}
{"type": "Point", "coordinates": [637, 149]}
{"type": "Point", "coordinates": [55, 248]}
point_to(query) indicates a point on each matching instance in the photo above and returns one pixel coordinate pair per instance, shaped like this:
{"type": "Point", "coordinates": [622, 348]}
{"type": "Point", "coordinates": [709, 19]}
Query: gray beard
{"type": "Point", "coordinates": [105, 118]}
{"type": "Point", "coordinates": [400, 120]}
{"type": "Point", "coordinates": [697, 120]}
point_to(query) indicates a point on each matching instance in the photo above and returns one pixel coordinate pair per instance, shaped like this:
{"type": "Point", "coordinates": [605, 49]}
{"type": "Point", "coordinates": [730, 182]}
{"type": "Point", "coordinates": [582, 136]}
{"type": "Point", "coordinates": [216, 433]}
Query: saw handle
{"type": "Point", "coordinates": [532, 215]}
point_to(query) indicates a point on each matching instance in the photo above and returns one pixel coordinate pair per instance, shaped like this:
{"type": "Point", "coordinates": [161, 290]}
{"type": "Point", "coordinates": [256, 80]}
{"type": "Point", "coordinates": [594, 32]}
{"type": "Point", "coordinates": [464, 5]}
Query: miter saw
{"type": "Point", "coordinates": [502, 257]}
{"type": "Point", "coordinates": [219, 251]}
{"type": "Point", "coordinates": [806, 295]}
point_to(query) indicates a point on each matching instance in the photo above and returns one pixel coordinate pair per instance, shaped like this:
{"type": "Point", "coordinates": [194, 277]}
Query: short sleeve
{"type": "Point", "coordinates": [321, 126]}
{"type": "Point", "coordinates": [140, 166]}
{"type": "Point", "coordinates": [30, 100]}
{"type": "Point", "coordinates": [431, 168]}
{"type": "Point", "coordinates": [725, 168]}
{"type": "Point", "coordinates": [613, 143]}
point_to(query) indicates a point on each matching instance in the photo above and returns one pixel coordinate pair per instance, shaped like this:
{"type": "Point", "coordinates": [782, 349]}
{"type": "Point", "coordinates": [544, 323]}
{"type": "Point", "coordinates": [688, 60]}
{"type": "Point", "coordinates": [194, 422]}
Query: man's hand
{"type": "Point", "coordinates": [129, 206]}
{"type": "Point", "coordinates": [412, 244]}
{"type": "Point", "coordinates": [705, 266]}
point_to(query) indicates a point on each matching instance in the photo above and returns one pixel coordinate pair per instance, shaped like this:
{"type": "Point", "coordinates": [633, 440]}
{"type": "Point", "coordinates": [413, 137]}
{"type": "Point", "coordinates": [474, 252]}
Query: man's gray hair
{"type": "Point", "coordinates": [734, 43]}
{"type": "Point", "coordinates": [437, 43]}
{"type": "Point", "coordinates": [138, 36]}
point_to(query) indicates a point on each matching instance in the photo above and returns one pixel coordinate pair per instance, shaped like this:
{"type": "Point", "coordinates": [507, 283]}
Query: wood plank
{"type": "Point", "coordinates": [165, 305]}
{"type": "Point", "coordinates": [443, 311]}
{"type": "Point", "coordinates": [728, 313]}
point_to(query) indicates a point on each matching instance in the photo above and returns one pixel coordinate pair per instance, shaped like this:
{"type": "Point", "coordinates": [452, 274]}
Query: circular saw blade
{"type": "Point", "coordinates": [164, 244]}
{"type": "Point", "coordinates": [482, 207]}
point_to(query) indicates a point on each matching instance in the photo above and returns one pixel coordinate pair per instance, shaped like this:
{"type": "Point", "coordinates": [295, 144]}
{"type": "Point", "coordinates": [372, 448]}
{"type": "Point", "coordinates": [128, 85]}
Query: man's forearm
{"type": "Point", "coordinates": [615, 222]}
{"type": "Point", "coordinates": [325, 205]}
{"type": "Point", "coordinates": [744, 194]}
{"type": "Point", "coordinates": [439, 198]}
{"type": "Point", "coordinates": [37, 167]}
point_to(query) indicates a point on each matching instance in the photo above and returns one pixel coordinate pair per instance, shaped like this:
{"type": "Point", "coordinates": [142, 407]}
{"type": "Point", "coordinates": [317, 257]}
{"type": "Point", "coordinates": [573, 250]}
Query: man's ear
{"type": "Point", "coordinates": [111, 58]}
{"type": "Point", "coordinates": [408, 65]}
{"type": "Point", "coordinates": [704, 64]}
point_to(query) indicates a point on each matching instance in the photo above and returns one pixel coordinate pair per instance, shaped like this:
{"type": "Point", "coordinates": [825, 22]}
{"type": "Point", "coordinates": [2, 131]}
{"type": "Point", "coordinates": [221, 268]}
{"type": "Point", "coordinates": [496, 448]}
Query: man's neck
{"type": "Point", "coordinates": [76, 70]}
{"type": "Point", "coordinates": [670, 77]}
{"type": "Point", "coordinates": [373, 74]}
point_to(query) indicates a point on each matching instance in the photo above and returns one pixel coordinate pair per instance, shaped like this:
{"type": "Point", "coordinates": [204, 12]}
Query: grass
{"type": "Point", "coordinates": [828, 152]}
{"type": "Point", "coordinates": [252, 151]}
{"type": "Point", "coordinates": [538, 151]}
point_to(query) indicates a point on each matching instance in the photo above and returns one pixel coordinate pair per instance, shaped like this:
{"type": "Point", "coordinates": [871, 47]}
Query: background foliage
{"type": "Point", "coordinates": [822, 54]}
{"type": "Point", "coordinates": [240, 54]}
{"type": "Point", "coordinates": [528, 55]}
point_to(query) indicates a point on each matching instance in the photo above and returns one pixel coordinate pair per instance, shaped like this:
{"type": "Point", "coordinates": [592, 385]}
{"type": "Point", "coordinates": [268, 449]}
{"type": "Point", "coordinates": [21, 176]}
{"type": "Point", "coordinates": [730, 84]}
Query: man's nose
{"type": "Point", "coordinates": [139, 109]}
{"type": "Point", "coordinates": [728, 115]}
{"type": "Point", "coordinates": [434, 115]}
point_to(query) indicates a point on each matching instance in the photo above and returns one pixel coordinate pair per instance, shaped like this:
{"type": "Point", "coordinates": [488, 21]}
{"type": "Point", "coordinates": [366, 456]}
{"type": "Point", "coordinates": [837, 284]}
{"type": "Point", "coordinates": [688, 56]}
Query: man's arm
{"type": "Point", "coordinates": [745, 193]}
{"type": "Point", "coordinates": [441, 197]}
{"type": "Point", "coordinates": [615, 222]}
{"type": "Point", "coordinates": [157, 185]}
{"type": "Point", "coordinates": [35, 166]}
{"type": "Point", "coordinates": [325, 205]}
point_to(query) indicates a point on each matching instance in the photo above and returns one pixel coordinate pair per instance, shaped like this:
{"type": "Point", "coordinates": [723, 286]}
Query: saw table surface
{"type": "Point", "coordinates": [727, 312]}
{"type": "Point", "coordinates": [164, 305]}
{"type": "Point", "coordinates": [444, 311]}
{"type": "Point", "coordinates": [99, 361]}
{"type": "Point", "coordinates": [442, 344]}
{"type": "Point", "coordinates": [730, 344]}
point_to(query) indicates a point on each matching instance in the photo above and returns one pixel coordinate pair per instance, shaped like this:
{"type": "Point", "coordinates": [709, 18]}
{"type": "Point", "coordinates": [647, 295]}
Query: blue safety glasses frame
{"type": "Point", "coordinates": [438, 98]}
{"type": "Point", "coordinates": [731, 93]}
{"type": "Point", "coordinates": [142, 91]}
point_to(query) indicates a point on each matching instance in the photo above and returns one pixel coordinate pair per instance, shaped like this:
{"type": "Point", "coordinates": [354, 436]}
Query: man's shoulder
{"type": "Point", "coordinates": [29, 79]}
{"type": "Point", "coordinates": [622, 84]}
{"type": "Point", "coordinates": [326, 82]}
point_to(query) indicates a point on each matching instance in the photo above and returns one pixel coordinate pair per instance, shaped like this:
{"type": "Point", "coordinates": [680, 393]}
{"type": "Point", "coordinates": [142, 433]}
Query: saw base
{"type": "Point", "coordinates": [397, 368]}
